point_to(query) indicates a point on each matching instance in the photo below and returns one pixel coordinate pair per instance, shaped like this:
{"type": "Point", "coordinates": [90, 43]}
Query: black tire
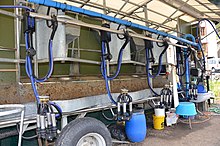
{"type": "Point", "coordinates": [75, 130]}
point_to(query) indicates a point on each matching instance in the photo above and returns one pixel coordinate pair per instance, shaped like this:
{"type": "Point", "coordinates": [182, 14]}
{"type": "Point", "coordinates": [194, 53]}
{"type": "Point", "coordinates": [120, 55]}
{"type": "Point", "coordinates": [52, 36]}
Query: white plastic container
{"type": "Point", "coordinates": [171, 118]}
{"type": "Point", "coordinates": [159, 112]}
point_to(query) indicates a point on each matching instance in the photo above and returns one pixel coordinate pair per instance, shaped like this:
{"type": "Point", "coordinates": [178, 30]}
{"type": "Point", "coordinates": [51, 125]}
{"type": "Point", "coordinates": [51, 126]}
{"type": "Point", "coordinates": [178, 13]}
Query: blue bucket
{"type": "Point", "coordinates": [186, 109]}
{"type": "Point", "coordinates": [136, 128]}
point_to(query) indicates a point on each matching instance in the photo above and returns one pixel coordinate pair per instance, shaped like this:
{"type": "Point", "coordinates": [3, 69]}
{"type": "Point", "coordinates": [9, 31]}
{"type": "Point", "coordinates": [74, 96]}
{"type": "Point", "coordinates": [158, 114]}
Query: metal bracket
{"type": "Point", "coordinates": [81, 115]}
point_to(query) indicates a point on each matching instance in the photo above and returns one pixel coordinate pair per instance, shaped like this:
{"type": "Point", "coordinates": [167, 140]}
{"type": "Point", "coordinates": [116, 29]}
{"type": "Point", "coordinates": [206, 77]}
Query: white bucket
{"type": "Point", "coordinates": [159, 112]}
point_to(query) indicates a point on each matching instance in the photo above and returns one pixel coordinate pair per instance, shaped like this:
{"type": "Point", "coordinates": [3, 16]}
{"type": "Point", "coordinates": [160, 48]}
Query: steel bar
{"type": "Point", "coordinates": [11, 14]}
{"type": "Point", "coordinates": [70, 59]}
{"type": "Point", "coordinates": [8, 70]}
{"type": "Point", "coordinates": [7, 49]}
{"type": "Point", "coordinates": [8, 60]}
{"type": "Point", "coordinates": [17, 26]}
{"type": "Point", "coordinates": [89, 50]}
{"type": "Point", "coordinates": [32, 14]}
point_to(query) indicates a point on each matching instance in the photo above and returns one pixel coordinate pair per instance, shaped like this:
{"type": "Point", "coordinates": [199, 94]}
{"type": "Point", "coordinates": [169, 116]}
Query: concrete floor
{"type": "Point", "coordinates": [205, 134]}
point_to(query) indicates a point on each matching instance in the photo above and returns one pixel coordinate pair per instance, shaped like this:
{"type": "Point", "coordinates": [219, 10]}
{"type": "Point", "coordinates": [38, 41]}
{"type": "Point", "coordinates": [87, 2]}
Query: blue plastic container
{"type": "Point", "coordinates": [186, 109]}
{"type": "Point", "coordinates": [201, 89]}
{"type": "Point", "coordinates": [136, 128]}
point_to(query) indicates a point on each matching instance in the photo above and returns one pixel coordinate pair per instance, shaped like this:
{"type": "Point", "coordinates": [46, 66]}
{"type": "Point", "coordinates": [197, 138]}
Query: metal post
{"type": "Point", "coordinates": [107, 62]}
{"type": "Point", "coordinates": [208, 89]}
{"type": "Point", "coordinates": [21, 127]}
{"type": "Point", "coordinates": [17, 42]}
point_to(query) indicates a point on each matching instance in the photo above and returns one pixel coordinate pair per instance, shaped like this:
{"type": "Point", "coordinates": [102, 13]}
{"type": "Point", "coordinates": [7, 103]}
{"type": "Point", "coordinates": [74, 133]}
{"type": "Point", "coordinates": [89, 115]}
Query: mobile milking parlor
{"type": "Point", "coordinates": [73, 72]}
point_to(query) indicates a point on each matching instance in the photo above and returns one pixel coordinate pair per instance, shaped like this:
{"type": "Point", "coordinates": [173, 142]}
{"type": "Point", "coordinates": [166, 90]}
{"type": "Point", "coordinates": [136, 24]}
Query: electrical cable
{"type": "Point", "coordinates": [25, 137]}
{"type": "Point", "coordinates": [199, 39]}
{"type": "Point", "coordinates": [121, 38]}
{"type": "Point", "coordinates": [196, 122]}
{"type": "Point", "coordinates": [58, 108]}
{"type": "Point", "coordinates": [158, 44]}
{"type": "Point", "coordinates": [107, 118]}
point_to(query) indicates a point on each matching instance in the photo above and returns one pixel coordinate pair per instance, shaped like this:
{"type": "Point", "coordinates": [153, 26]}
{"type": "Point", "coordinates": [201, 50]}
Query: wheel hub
{"type": "Point", "coordinates": [91, 139]}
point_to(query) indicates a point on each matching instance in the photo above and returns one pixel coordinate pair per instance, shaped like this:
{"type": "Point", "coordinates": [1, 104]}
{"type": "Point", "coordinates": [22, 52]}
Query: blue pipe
{"type": "Point", "coordinates": [187, 67]}
{"type": "Point", "coordinates": [63, 6]}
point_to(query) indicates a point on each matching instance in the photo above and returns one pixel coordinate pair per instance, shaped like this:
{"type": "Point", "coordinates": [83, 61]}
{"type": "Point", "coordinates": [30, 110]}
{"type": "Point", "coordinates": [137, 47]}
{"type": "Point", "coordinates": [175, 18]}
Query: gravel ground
{"type": "Point", "coordinates": [204, 134]}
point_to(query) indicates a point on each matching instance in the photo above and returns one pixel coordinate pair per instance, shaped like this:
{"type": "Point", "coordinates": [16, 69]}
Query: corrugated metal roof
{"type": "Point", "coordinates": [160, 14]}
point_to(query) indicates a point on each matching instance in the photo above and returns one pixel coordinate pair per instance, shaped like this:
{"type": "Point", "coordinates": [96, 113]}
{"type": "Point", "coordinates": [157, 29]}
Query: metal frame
{"type": "Point", "coordinates": [77, 107]}
{"type": "Point", "coordinates": [179, 5]}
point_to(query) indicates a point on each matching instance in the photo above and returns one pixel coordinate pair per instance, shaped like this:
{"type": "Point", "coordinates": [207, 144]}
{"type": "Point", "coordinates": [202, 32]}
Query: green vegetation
{"type": "Point", "coordinates": [215, 88]}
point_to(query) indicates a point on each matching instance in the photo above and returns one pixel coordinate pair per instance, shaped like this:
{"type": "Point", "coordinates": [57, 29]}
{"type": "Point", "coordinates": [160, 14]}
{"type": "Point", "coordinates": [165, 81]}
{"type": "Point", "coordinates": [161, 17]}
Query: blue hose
{"type": "Point", "coordinates": [29, 70]}
{"type": "Point", "coordinates": [104, 72]}
{"type": "Point", "coordinates": [119, 62]}
{"type": "Point", "coordinates": [118, 66]}
{"type": "Point", "coordinates": [148, 73]}
{"type": "Point", "coordinates": [159, 65]}
{"type": "Point", "coordinates": [58, 108]}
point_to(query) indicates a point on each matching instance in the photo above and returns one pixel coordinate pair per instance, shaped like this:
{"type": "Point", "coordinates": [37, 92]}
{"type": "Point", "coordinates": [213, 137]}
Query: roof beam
{"type": "Point", "coordinates": [172, 15]}
{"type": "Point", "coordinates": [84, 4]}
{"type": "Point", "coordinates": [144, 5]}
{"type": "Point", "coordinates": [184, 7]}
{"type": "Point", "coordinates": [206, 7]}
{"type": "Point", "coordinates": [124, 14]}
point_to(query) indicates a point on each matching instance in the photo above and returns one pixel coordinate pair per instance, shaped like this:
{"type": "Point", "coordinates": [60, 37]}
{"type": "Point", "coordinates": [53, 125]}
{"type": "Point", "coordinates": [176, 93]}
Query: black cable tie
{"type": "Point", "coordinates": [105, 36]}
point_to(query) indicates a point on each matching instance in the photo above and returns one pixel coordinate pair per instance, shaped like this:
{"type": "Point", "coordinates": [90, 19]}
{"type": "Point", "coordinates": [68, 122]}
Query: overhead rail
{"type": "Point", "coordinates": [66, 21]}
{"type": "Point", "coordinates": [67, 7]}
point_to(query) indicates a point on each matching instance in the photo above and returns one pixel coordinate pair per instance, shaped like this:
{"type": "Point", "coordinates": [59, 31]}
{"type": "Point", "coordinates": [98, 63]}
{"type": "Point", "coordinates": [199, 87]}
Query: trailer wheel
{"type": "Point", "coordinates": [84, 132]}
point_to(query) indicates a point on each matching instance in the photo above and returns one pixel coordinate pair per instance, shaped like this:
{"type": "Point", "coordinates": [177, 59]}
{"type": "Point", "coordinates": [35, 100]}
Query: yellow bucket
{"type": "Point", "coordinates": [158, 122]}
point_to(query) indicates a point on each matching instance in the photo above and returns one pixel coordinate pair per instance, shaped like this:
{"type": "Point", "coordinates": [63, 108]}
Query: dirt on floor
{"type": "Point", "coordinates": [59, 89]}
{"type": "Point", "coordinates": [204, 134]}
